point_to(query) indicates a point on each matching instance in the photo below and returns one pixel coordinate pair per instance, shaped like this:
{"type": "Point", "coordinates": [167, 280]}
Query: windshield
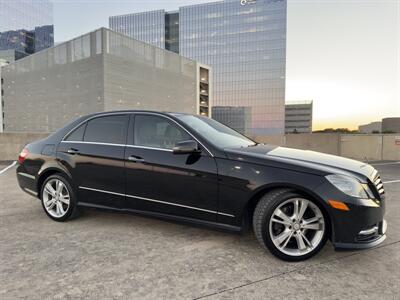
{"type": "Point", "coordinates": [215, 132]}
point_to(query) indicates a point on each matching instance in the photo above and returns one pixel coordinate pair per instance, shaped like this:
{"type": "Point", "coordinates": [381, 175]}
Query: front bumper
{"type": "Point", "coordinates": [367, 239]}
{"type": "Point", "coordinates": [362, 226]}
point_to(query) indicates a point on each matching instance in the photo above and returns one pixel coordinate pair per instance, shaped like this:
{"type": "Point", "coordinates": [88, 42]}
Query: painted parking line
{"type": "Point", "coordinates": [388, 163]}
{"type": "Point", "coordinates": [8, 167]}
{"type": "Point", "coordinates": [391, 181]}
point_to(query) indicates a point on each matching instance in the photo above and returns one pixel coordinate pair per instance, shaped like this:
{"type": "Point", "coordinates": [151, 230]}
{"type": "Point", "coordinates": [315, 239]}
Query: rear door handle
{"type": "Point", "coordinates": [73, 151]}
{"type": "Point", "coordinates": [136, 159]}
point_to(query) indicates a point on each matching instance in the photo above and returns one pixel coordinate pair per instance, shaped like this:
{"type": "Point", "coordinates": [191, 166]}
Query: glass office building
{"type": "Point", "coordinates": [26, 27]}
{"type": "Point", "coordinates": [244, 41]}
{"type": "Point", "coordinates": [148, 27]}
{"type": "Point", "coordinates": [158, 28]}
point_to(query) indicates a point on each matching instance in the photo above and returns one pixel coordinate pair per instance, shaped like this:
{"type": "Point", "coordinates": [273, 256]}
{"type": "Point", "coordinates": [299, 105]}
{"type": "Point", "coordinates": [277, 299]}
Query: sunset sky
{"type": "Point", "coordinates": [345, 55]}
{"type": "Point", "coordinates": [342, 54]}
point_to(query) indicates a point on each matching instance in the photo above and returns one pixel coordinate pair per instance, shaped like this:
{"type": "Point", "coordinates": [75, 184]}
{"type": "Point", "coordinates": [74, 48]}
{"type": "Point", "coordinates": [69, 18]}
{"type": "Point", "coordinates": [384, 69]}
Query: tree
{"type": "Point", "coordinates": [337, 130]}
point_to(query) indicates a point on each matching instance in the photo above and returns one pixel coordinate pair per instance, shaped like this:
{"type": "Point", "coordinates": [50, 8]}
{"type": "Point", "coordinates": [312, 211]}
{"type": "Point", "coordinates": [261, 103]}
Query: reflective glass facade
{"type": "Point", "coordinates": [244, 41]}
{"type": "Point", "coordinates": [172, 32]}
{"type": "Point", "coordinates": [246, 47]}
{"type": "Point", "coordinates": [148, 27]}
{"type": "Point", "coordinates": [26, 26]}
{"type": "Point", "coordinates": [238, 118]}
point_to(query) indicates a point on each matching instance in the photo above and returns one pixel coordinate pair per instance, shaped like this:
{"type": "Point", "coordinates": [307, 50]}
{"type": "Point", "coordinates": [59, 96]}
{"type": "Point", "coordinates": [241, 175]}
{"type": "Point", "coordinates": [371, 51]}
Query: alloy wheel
{"type": "Point", "coordinates": [56, 198]}
{"type": "Point", "coordinates": [297, 227]}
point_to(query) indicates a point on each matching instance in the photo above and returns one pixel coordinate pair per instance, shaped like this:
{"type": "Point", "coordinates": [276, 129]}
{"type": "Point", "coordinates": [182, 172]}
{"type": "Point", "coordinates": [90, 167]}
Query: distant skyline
{"type": "Point", "coordinates": [343, 54]}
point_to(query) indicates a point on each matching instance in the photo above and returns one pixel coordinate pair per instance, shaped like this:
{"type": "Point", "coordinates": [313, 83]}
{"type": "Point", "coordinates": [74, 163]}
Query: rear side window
{"type": "Point", "coordinates": [77, 134]}
{"type": "Point", "coordinates": [110, 129]}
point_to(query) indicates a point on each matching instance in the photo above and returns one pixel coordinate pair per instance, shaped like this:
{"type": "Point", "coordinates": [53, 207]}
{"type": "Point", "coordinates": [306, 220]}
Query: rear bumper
{"type": "Point", "coordinates": [27, 182]}
{"type": "Point", "coordinates": [370, 239]}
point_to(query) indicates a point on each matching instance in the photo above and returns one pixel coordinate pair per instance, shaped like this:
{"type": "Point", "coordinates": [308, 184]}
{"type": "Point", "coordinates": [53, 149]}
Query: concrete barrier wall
{"type": "Point", "coordinates": [327, 143]}
{"type": "Point", "coordinates": [391, 147]}
{"type": "Point", "coordinates": [11, 144]}
{"type": "Point", "coordinates": [279, 140]}
{"type": "Point", "coordinates": [370, 147]}
{"type": "Point", "coordinates": [362, 147]}
{"type": "Point", "coordinates": [366, 147]}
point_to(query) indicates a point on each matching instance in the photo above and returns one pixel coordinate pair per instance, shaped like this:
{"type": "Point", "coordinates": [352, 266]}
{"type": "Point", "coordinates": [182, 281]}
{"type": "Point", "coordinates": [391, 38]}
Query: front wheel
{"type": "Point", "coordinates": [58, 198]}
{"type": "Point", "coordinates": [291, 226]}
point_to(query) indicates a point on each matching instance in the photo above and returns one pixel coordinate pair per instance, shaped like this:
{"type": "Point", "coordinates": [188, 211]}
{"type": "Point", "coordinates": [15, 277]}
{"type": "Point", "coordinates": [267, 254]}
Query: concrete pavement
{"type": "Point", "coordinates": [109, 255]}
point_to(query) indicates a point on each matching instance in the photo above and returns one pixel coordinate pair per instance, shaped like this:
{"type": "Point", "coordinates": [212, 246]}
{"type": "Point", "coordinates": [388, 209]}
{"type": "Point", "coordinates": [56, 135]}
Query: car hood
{"type": "Point", "coordinates": [301, 160]}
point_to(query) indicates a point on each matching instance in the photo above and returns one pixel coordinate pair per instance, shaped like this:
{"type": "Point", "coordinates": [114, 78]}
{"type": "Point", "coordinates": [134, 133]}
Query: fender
{"type": "Point", "coordinates": [263, 189]}
{"type": "Point", "coordinates": [51, 167]}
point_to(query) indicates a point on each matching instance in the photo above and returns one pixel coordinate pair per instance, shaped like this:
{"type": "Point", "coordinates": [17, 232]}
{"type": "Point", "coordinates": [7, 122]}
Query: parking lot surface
{"type": "Point", "coordinates": [108, 255]}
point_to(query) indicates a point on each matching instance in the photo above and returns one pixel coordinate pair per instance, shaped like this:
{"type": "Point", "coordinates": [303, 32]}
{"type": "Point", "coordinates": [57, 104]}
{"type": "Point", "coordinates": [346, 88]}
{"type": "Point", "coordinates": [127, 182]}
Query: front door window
{"type": "Point", "coordinates": [157, 132]}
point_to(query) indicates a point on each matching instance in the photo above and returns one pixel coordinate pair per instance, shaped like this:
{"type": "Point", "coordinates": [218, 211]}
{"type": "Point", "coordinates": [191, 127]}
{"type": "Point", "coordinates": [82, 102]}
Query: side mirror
{"type": "Point", "coordinates": [186, 147]}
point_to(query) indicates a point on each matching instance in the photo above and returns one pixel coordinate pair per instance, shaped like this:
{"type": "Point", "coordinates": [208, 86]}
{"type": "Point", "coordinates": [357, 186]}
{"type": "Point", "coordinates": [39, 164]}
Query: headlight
{"type": "Point", "coordinates": [350, 186]}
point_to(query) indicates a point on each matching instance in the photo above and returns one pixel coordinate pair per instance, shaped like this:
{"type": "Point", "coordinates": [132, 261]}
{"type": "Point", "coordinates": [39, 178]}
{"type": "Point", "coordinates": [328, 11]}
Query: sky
{"type": "Point", "coordinates": [342, 54]}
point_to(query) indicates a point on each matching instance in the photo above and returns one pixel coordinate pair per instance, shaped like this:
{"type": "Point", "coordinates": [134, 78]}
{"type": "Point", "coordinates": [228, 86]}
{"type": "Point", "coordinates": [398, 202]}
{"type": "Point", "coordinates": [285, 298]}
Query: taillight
{"type": "Point", "coordinates": [24, 153]}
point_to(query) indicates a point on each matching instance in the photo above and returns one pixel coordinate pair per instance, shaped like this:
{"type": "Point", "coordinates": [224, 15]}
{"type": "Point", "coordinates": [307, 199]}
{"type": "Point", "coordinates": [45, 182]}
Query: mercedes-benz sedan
{"type": "Point", "coordinates": [194, 169]}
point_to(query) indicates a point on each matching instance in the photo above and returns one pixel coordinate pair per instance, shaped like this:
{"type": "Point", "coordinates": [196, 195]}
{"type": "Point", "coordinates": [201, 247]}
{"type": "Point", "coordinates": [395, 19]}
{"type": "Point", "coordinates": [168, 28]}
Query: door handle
{"type": "Point", "coordinates": [136, 159]}
{"type": "Point", "coordinates": [73, 151]}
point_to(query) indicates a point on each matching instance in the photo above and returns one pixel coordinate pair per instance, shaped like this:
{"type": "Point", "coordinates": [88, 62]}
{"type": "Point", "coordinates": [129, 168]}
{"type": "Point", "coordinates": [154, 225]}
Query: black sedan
{"type": "Point", "coordinates": [194, 169]}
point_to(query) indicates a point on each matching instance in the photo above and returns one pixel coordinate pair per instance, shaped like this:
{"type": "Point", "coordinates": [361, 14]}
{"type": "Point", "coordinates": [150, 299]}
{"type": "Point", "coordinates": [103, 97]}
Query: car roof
{"type": "Point", "coordinates": [136, 111]}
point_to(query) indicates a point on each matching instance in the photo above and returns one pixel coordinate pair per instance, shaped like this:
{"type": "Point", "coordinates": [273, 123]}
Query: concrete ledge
{"type": "Point", "coordinates": [365, 147]}
{"type": "Point", "coordinates": [11, 143]}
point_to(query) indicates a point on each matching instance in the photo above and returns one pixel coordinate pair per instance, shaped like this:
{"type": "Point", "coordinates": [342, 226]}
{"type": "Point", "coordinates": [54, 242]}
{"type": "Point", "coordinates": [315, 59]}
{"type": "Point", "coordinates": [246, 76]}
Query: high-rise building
{"type": "Point", "coordinates": [244, 41]}
{"type": "Point", "coordinates": [298, 117]}
{"type": "Point", "coordinates": [26, 27]}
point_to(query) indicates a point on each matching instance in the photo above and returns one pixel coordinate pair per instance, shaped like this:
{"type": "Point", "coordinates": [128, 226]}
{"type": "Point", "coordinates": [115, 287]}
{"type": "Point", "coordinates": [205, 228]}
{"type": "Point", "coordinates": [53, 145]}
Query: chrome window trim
{"type": "Point", "coordinates": [121, 145]}
{"type": "Point", "coordinates": [157, 201]}
{"type": "Point", "coordinates": [27, 175]}
{"type": "Point", "coordinates": [94, 143]}
{"type": "Point", "coordinates": [151, 148]}
{"type": "Point", "coordinates": [131, 113]}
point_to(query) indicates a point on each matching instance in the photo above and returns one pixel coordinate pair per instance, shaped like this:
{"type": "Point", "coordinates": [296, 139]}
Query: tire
{"type": "Point", "coordinates": [288, 232]}
{"type": "Point", "coordinates": [54, 200]}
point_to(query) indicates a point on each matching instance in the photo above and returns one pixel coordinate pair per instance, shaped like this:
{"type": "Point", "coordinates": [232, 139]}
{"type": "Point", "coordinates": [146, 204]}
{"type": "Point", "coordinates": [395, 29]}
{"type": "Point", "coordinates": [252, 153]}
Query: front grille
{"type": "Point", "coordinates": [379, 185]}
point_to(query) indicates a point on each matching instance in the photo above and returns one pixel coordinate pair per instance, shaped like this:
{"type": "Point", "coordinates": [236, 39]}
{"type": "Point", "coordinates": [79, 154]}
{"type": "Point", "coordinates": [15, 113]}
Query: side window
{"type": "Point", "coordinates": [77, 134]}
{"type": "Point", "coordinates": [110, 129]}
{"type": "Point", "coordinates": [157, 132]}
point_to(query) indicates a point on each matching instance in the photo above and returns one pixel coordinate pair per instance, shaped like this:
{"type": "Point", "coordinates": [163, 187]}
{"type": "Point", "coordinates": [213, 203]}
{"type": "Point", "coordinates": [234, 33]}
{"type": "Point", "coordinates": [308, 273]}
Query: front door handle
{"type": "Point", "coordinates": [136, 159]}
{"type": "Point", "coordinates": [73, 151]}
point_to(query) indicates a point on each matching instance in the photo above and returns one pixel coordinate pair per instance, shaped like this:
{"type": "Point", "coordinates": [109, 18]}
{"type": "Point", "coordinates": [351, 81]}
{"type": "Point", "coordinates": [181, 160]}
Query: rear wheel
{"type": "Point", "coordinates": [291, 226]}
{"type": "Point", "coordinates": [58, 198]}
